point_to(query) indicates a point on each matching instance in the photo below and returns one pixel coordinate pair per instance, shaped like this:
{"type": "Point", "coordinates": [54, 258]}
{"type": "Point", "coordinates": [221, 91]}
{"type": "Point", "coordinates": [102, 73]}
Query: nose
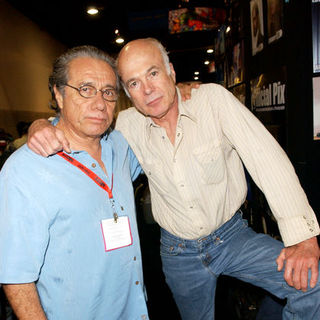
{"type": "Point", "coordinates": [148, 87]}
{"type": "Point", "coordinates": [99, 102]}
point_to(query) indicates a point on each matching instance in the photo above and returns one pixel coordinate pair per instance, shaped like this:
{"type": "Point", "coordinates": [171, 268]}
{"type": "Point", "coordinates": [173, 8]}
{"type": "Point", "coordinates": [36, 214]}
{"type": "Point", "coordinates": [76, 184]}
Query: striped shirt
{"type": "Point", "coordinates": [198, 183]}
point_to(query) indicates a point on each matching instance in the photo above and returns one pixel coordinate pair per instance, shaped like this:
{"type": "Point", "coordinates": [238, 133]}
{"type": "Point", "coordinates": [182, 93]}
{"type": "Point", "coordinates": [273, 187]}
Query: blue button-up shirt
{"type": "Point", "coordinates": [50, 218]}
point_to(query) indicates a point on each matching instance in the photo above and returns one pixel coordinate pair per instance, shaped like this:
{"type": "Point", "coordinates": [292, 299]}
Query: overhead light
{"type": "Point", "coordinates": [92, 11]}
{"type": "Point", "coordinates": [207, 62]}
{"type": "Point", "coordinates": [196, 72]}
{"type": "Point", "coordinates": [210, 51]}
{"type": "Point", "coordinates": [228, 29]}
{"type": "Point", "coordinates": [119, 40]}
{"type": "Point", "coordinates": [196, 78]}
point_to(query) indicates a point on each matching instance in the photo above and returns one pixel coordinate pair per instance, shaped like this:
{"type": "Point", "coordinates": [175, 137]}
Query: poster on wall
{"type": "Point", "coordinates": [316, 35]}
{"type": "Point", "coordinates": [236, 65]}
{"type": "Point", "coordinates": [257, 34]}
{"type": "Point", "coordinates": [316, 108]}
{"type": "Point", "coordinates": [195, 19]}
{"type": "Point", "coordinates": [275, 24]}
{"type": "Point", "coordinates": [268, 91]}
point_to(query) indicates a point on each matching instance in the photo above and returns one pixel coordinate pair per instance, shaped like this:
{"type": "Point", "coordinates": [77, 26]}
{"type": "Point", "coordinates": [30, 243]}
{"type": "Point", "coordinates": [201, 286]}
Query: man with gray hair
{"type": "Point", "coordinates": [69, 245]}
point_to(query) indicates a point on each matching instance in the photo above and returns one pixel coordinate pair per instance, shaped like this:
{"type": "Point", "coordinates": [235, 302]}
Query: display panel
{"type": "Point", "coordinates": [316, 35]}
{"type": "Point", "coordinates": [257, 33]}
{"type": "Point", "coordinates": [316, 108]}
{"type": "Point", "coordinates": [274, 20]}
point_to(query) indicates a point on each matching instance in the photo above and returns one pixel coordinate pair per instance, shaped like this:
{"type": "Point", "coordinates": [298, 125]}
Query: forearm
{"type": "Point", "coordinates": [24, 301]}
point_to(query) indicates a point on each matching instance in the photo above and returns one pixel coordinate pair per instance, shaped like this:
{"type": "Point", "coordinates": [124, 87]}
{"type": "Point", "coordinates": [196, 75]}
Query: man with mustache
{"type": "Point", "coordinates": [69, 245]}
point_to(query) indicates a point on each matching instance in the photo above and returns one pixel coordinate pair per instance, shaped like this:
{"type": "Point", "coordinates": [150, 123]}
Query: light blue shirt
{"type": "Point", "coordinates": [50, 218]}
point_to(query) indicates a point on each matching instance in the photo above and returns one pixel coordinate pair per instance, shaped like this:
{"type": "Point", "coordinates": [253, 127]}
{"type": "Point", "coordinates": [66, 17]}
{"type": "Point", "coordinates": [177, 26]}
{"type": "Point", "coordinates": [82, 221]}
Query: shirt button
{"type": "Point", "coordinates": [93, 165]}
{"type": "Point", "coordinates": [121, 208]}
{"type": "Point", "coordinates": [134, 258]}
{"type": "Point", "coordinates": [137, 282]}
{"type": "Point", "coordinates": [191, 207]}
{"type": "Point", "coordinates": [149, 173]}
{"type": "Point", "coordinates": [163, 137]}
{"type": "Point", "coordinates": [178, 135]}
{"type": "Point", "coordinates": [181, 185]}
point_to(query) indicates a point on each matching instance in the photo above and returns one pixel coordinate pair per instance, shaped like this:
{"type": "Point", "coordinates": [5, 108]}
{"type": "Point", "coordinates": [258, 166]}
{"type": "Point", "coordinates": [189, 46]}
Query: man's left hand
{"type": "Point", "coordinates": [185, 89]}
{"type": "Point", "coordinates": [298, 260]}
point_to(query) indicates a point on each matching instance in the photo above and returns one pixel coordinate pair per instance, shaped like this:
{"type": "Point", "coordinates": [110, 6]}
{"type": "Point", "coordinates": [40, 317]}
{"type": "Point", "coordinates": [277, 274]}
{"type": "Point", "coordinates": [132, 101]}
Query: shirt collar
{"type": "Point", "coordinates": [183, 112]}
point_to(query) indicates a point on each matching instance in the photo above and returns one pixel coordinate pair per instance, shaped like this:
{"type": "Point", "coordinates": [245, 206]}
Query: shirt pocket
{"type": "Point", "coordinates": [154, 171]}
{"type": "Point", "coordinates": [210, 163]}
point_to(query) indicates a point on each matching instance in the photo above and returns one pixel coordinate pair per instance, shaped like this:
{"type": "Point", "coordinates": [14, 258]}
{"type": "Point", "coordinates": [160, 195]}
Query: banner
{"type": "Point", "coordinates": [268, 91]}
{"type": "Point", "coordinates": [196, 19]}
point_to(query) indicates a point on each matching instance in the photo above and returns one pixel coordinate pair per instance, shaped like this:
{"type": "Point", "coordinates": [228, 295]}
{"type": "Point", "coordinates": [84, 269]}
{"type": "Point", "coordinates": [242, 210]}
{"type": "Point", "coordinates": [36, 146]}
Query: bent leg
{"type": "Point", "coordinates": [255, 263]}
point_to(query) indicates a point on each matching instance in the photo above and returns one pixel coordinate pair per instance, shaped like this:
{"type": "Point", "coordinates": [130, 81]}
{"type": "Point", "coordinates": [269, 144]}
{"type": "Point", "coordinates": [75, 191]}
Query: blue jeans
{"type": "Point", "coordinates": [192, 267]}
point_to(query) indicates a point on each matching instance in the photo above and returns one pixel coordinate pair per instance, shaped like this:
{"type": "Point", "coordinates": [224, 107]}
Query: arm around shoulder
{"type": "Point", "coordinates": [45, 139]}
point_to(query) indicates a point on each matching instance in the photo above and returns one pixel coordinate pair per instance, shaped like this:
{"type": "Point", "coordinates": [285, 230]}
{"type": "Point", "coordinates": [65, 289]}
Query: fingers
{"type": "Point", "coordinates": [300, 260]}
{"type": "Point", "coordinates": [314, 275]}
{"type": "Point", "coordinates": [185, 90]}
{"type": "Point", "coordinates": [195, 85]}
{"type": "Point", "coordinates": [64, 143]}
{"type": "Point", "coordinates": [186, 97]}
{"type": "Point", "coordinates": [299, 276]}
{"type": "Point", "coordinates": [280, 260]}
{"type": "Point", "coordinates": [48, 141]}
{"type": "Point", "coordinates": [288, 274]}
{"type": "Point", "coordinates": [302, 281]}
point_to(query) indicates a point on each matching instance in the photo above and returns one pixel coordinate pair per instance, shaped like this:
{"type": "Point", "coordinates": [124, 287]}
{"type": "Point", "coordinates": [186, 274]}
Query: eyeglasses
{"type": "Point", "coordinates": [89, 91]}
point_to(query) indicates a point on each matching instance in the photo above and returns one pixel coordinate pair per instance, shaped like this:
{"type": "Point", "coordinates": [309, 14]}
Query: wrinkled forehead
{"type": "Point", "coordinates": [87, 68]}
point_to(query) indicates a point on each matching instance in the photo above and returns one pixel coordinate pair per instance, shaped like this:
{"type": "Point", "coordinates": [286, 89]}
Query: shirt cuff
{"type": "Point", "coordinates": [297, 229]}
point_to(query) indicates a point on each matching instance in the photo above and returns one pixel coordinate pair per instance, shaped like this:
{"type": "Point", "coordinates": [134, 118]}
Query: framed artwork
{"type": "Point", "coordinates": [257, 33]}
{"type": "Point", "coordinates": [316, 35]}
{"type": "Point", "coordinates": [275, 24]}
{"type": "Point", "coordinates": [316, 108]}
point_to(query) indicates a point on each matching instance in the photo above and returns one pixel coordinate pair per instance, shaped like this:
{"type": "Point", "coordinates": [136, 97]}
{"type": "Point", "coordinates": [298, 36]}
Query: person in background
{"type": "Point", "coordinates": [193, 154]}
{"type": "Point", "coordinates": [22, 128]}
{"type": "Point", "coordinates": [69, 245]}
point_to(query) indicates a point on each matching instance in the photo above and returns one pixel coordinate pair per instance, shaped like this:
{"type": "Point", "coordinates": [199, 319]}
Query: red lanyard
{"type": "Point", "coordinates": [89, 173]}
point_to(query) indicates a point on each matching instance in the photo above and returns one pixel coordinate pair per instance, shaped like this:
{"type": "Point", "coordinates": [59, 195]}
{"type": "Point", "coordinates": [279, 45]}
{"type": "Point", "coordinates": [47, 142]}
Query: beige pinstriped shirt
{"type": "Point", "coordinates": [199, 183]}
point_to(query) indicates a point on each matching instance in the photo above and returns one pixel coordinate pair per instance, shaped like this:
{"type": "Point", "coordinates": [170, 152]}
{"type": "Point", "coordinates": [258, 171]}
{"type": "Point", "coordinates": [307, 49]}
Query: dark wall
{"type": "Point", "coordinates": [293, 51]}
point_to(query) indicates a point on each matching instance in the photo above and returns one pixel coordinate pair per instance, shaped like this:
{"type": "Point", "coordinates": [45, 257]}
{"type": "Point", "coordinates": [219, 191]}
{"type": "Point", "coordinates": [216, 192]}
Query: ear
{"type": "Point", "coordinates": [59, 97]}
{"type": "Point", "coordinates": [172, 72]}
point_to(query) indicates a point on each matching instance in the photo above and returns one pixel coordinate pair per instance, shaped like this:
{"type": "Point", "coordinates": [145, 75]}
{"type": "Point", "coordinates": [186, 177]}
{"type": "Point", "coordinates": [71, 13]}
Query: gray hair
{"type": "Point", "coordinates": [164, 53]}
{"type": "Point", "coordinates": [60, 71]}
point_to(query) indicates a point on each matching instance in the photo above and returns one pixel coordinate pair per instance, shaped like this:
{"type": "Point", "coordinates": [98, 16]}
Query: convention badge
{"type": "Point", "coordinates": [116, 232]}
